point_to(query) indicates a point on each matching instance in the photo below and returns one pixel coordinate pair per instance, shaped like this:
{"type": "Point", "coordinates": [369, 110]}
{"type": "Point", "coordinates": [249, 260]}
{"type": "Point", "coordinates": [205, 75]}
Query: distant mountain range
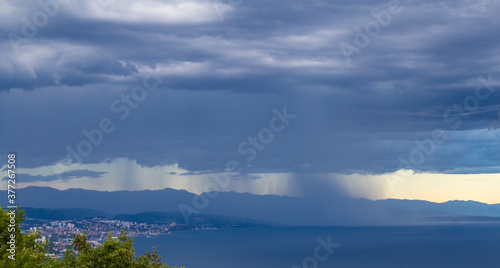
{"type": "Point", "coordinates": [456, 207]}
{"type": "Point", "coordinates": [64, 214]}
{"type": "Point", "coordinates": [144, 217]}
{"type": "Point", "coordinates": [447, 212]}
{"type": "Point", "coordinates": [272, 209]}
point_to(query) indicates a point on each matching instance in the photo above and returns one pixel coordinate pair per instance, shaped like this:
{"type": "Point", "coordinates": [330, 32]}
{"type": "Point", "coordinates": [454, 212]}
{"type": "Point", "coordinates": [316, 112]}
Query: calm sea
{"type": "Point", "coordinates": [373, 247]}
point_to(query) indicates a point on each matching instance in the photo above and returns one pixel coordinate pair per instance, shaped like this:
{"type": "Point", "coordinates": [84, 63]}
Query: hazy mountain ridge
{"type": "Point", "coordinates": [455, 207]}
{"type": "Point", "coordinates": [278, 210]}
{"type": "Point", "coordinates": [152, 217]}
{"type": "Point", "coordinates": [63, 214]}
{"type": "Point", "coordinates": [149, 217]}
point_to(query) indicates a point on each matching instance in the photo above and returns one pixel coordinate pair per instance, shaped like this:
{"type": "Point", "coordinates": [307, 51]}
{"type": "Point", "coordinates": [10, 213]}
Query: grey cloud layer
{"type": "Point", "coordinates": [222, 78]}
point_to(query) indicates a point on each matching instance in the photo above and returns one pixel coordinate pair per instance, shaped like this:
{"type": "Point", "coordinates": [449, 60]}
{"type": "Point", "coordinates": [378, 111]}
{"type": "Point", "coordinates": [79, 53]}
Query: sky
{"type": "Point", "coordinates": [374, 99]}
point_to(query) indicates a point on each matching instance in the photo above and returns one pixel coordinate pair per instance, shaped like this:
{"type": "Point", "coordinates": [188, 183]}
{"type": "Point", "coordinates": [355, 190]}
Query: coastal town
{"type": "Point", "coordinates": [58, 233]}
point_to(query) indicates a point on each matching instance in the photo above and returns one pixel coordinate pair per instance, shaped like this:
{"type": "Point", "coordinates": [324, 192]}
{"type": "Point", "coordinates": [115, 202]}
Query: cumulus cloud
{"type": "Point", "coordinates": [150, 11]}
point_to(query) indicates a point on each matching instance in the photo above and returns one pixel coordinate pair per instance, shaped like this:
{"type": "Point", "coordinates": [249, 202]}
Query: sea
{"type": "Point", "coordinates": [467, 246]}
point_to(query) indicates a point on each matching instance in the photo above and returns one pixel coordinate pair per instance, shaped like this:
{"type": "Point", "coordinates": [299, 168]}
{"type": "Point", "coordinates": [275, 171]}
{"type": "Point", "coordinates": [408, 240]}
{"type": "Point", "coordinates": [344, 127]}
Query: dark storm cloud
{"type": "Point", "coordinates": [222, 78]}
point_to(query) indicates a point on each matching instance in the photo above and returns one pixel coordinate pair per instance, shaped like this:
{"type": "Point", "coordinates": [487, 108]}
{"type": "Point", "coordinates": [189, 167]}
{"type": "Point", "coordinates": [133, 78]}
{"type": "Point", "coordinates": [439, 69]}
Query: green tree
{"type": "Point", "coordinates": [17, 249]}
{"type": "Point", "coordinates": [118, 253]}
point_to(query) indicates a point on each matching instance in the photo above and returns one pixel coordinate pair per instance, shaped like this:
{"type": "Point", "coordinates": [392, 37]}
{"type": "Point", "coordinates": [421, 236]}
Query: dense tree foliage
{"type": "Point", "coordinates": [30, 252]}
{"type": "Point", "coordinates": [23, 249]}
